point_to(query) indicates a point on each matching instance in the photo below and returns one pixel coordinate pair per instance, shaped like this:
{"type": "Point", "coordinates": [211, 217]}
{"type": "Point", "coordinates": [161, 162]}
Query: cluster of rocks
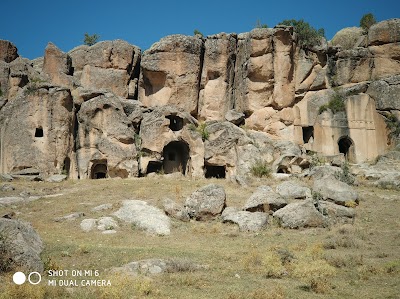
{"type": "Point", "coordinates": [109, 110]}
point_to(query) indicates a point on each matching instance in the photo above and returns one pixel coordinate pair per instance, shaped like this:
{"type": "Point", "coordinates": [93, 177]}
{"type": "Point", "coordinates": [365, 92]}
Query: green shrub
{"type": "Point", "coordinates": [197, 32]}
{"type": "Point", "coordinates": [336, 104]}
{"type": "Point", "coordinates": [308, 35]}
{"type": "Point", "coordinates": [367, 21]}
{"type": "Point", "coordinates": [260, 169]}
{"type": "Point", "coordinates": [345, 175]}
{"type": "Point", "coordinates": [260, 25]}
{"type": "Point", "coordinates": [202, 130]}
{"type": "Point", "coordinates": [90, 40]}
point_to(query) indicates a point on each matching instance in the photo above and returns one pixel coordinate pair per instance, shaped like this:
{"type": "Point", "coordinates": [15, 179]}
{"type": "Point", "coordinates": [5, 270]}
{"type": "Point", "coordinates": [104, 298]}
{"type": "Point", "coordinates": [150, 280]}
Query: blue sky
{"type": "Point", "coordinates": [31, 24]}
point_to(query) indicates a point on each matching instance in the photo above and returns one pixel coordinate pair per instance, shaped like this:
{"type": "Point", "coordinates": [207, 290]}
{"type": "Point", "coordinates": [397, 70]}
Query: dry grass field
{"type": "Point", "coordinates": [343, 261]}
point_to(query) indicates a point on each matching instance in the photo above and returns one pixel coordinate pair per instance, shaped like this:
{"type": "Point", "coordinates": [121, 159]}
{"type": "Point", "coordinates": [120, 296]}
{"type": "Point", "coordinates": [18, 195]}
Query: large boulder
{"type": "Point", "coordinates": [171, 142]}
{"type": "Point", "coordinates": [145, 217]}
{"type": "Point", "coordinates": [384, 32]}
{"type": "Point", "coordinates": [299, 215]}
{"type": "Point", "coordinates": [337, 213]}
{"type": "Point", "coordinates": [157, 266]}
{"type": "Point", "coordinates": [264, 199]}
{"type": "Point", "coordinates": [216, 86]}
{"type": "Point", "coordinates": [264, 69]}
{"type": "Point", "coordinates": [336, 191]}
{"type": "Point", "coordinates": [386, 93]}
{"type": "Point", "coordinates": [170, 73]}
{"type": "Point", "coordinates": [348, 38]}
{"type": "Point", "coordinates": [57, 65]}
{"type": "Point", "coordinates": [293, 190]}
{"type": "Point", "coordinates": [106, 137]}
{"type": "Point", "coordinates": [226, 146]}
{"type": "Point", "coordinates": [38, 129]}
{"type": "Point", "coordinates": [20, 246]}
{"type": "Point", "coordinates": [172, 209]}
{"type": "Point", "coordinates": [247, 221]}
{"type": "Point", "coordinates": [206, 202]}
{"type": "Point", "coordinates": [8, 51]}
{"type": "Point", "coordinates": [108, 65]}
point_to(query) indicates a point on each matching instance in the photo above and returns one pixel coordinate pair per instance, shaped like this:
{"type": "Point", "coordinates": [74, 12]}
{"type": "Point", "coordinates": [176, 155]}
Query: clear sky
{"type": "Point", "coordinates": [31, 24]}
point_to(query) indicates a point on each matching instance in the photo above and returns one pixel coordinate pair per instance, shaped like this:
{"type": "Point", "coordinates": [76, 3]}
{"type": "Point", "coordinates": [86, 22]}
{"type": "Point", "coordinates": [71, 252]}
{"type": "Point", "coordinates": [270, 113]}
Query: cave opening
{"type": "Point", "coordinates": [215, 171]}
{"type": "Point", "coordinates": [99, 170]}
{"type": "Point", "coordinates": [176, 157]}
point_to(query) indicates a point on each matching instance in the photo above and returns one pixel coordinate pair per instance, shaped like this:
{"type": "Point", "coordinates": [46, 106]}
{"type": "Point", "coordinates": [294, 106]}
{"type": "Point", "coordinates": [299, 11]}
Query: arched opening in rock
{"type": "Point", "coordinates": [176, 156]}
{"type": "Point", "coordinates": [282, 169]}
{"type": "Point", "coordinates": [308, 133]}
{"type": "Point", "coordinates": [99, 170]}
{"type": "Point", "coordinates": [215, 171]}
{"type": "Point", "coordinates": [154, 166]}
{"type": "Point", "coordinates": [66, 166]}
{"type": "Point", "coordinates": [39, 132]}
{"type": "Point", "coordinates": [346, 147]}
{"type": "Point", "coordinates": [175, 122]}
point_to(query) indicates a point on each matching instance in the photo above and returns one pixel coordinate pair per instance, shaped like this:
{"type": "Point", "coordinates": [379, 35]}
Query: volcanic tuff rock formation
{"type": "Point", "coordinates": [210, 107]}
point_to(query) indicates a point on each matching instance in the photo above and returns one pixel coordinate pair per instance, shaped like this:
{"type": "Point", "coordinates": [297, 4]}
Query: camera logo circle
{"type": "Point", "coordinates": [34, 275]}
{"type": "Point", "coordinates": [19, 278]}
{"type": "Point", "coordinates": [34, 278]}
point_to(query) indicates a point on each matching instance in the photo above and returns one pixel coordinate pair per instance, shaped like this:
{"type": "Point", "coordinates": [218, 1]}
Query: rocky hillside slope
{"type": "Point", "coordinates": [213, 106]}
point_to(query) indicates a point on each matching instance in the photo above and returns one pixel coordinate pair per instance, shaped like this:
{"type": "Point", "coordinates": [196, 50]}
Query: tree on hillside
{"type": "Point", "coordinates": [367, 21]}
{"type": "Point", "coordinates": [308, 35]}
{"type": "Point", "coordinates": [90, 40]}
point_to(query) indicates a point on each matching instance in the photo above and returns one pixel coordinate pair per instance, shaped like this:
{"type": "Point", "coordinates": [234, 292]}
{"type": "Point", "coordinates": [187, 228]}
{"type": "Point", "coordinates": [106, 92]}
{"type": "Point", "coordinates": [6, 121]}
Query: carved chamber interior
{"type": "Point", "coordinates": [176, 156]}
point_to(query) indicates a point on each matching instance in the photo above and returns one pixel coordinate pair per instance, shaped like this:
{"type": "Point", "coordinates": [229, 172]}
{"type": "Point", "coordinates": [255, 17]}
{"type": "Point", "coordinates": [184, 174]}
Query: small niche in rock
{"type": "Point", "coordinates": [175, 122]}
{"type": "Point", "coordinates": [154, 166]}
{"type": "Point", "coordinates": [39, 132]}
{"type": "Point", "coordinates": [215, 171]}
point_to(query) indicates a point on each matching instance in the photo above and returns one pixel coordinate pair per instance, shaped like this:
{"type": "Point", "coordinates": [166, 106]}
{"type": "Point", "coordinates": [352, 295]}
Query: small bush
{"type": "Point", "coordinates": [273, 266]}
{"type": "Point", "coordinates": [345, 175]}
{"type": "Point", "coordinates": [316, 274]}
{"type": "Point", "coordinates": [197, 32]}
{"type": "Point", "coordinates": [367, 21]}
{"type": "Point", "coordinates": [342, 237]}
{"type": "Point", "coordinates": [90, 40]}
{"type": "Point", "coordinates": [201, 129]}
{"type": "Point", "coordinates": [336, 104]}
{"type": "Point", "coordinates": [260, 169]}
{"type": "Point", "coordinates": [308, 35]}
{"type": "Point", "coordinates": [260, 25]}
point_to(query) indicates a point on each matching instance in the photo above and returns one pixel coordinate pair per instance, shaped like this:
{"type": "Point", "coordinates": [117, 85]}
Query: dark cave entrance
{"type": "Point", "coordinates": [66, 166]}
{"type": "Point", "coordinates": [176, 156]}
{"type": "Point", "coordinates": [154, 166]}
{"type": "Point", "coordinates": [175, 122]}
{"type": "Point", "coordinates": [99, 170]}
{"type": "Point", "coordinates": [346, 147]}
{"type": "Point", "coordinates": [308, 133]}
{"type": "Point", "coordinates": [218, 172]}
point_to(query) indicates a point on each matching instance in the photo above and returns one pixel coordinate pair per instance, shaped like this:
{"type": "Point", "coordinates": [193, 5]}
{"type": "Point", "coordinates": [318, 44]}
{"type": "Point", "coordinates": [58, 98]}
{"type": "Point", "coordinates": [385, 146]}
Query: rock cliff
{"type": "Point", "coordinates": [203, 106]}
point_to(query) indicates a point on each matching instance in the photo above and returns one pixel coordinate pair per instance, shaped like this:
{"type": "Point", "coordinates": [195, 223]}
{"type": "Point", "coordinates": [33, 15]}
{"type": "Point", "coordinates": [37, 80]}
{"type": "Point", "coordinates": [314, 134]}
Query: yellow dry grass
{"type": "Point", "coordinates": [360, 261]}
